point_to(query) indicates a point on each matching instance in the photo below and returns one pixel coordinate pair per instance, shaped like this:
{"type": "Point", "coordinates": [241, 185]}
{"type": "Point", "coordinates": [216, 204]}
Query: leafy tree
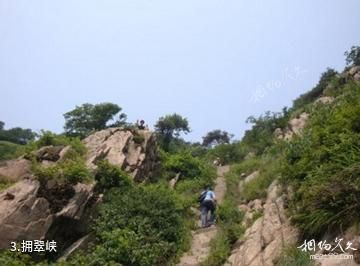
{"type": "Point", "coordinates": [16, 135]}
{"type": "Point", "coordinates": [170, 127]}
{"type": "Point", "coordinates": [260, 136]}
{"type": "Point", "coordinates": [88, 117]}
{"type": "Point", "coordinates": [353, 56]}
{"type": "Point", "coordinates": [317, 91]}
{"type": "Point", "coordinates": [216, 137]}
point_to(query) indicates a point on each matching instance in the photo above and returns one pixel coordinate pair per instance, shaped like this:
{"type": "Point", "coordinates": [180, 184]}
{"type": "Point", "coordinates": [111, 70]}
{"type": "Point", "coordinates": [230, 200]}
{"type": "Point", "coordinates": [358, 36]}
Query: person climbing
{"type": "Point", "coordinates": [207, 201]}
{"type": "Point", "coordinates": [140, 125]}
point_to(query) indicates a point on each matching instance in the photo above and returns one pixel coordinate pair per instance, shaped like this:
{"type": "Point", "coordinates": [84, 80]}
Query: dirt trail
{"type": "Point", "coordinates": [200, 245]}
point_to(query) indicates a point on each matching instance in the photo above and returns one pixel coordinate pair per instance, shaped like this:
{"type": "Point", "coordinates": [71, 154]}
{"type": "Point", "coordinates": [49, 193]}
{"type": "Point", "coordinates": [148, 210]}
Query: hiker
{"type": "Point", "coordinates": [217, 161]}
{"type": "Point", "coordinates": [207, 201]}
{"type": "Point", "coordinates": [140, 125]}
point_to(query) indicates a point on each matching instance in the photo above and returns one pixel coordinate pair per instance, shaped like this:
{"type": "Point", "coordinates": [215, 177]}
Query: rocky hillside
{"type": "Point", "coordinates": [272, 198]}
{"type": "Point", "coordinates": [123, 196]}
{"type": "Point", "coordinates": [36, 209]}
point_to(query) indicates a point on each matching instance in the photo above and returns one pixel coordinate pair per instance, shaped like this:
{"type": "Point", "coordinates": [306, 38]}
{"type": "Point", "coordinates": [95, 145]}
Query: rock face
{"type": "Point", "coordinates": [29, 215]}
{"type": "Point", "coordinates": [247, 179]}
{"type": "Point", "coordinates": [15, 170]}
{"type": "Point", "coordinates": [30, 210]}
{"type": "Point", "coordinates": [354, 72]}
{"type": "Point", "coordinates": [295, 127]}
{"type": "Point", "coordinates": [133, 151]}
{"type": "Point", "coordinates": [325, 100]}
{"type": "Point", "coordinates": [263, 241]}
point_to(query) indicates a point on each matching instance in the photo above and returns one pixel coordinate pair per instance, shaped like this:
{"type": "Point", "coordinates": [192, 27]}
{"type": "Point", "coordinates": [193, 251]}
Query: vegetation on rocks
{"type": "Point", "coordinates": [150, 223]}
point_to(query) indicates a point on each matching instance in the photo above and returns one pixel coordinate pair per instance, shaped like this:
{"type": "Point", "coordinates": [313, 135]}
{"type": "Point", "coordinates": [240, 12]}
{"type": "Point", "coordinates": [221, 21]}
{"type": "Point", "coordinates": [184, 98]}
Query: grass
{"type": "Point", "coordinates": [234, 176]}
{"type": "Point", "coordinates": [293, 256]}
{"type": "Point", "coordinates": [8, 150]}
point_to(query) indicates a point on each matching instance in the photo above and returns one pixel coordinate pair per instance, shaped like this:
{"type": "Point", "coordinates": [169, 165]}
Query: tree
{"type": "Point", "coordinates": [170, 127]}
{"type": "Point", "coordinates": [353, 56]}
{"type": "Point", "coordinates": [216, 137]}
{"type": "Point", "coordinates": [317, 91]}
{"type": "Point", "coordinates": [88, 117]}
{"type": "Point", "coordinates": [16, 135]}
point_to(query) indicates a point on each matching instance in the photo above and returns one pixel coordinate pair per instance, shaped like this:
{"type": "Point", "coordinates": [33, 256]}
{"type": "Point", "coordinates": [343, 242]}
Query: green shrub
{"type": "Point", "coordinates": [268, 172]}
{"type": "Point", "coordinates": [9, 150]}
{"type": "Point", "coordinates": [230, 219]}
{"type": "Point", "coordinates": [261, 135]}
{"type": "Point", "coordinates": [317, 91]}
{"type": "Point", "coordinates": [72, 171]}
{"type": "Point", "coordinates": [15, 259]}
{"type": "Point", "coordinates": [185, 164]}
{"type": "Point", "coordinates": [227, 153]}
{"type": "Point", "coordinates": [108, 176]}
{"type": "Point", "coordinates": [5, 183]}
{"type": "Point", "coordinates": [138, 139]}
{"type": "Point", "coordinates": [48, 138]}
{"type": "Point", "coordinates": [327, 154]}
{"type": "Point", "coordinates": [219, 250]}
{"type": "Point", "coordinates": [143, 225]}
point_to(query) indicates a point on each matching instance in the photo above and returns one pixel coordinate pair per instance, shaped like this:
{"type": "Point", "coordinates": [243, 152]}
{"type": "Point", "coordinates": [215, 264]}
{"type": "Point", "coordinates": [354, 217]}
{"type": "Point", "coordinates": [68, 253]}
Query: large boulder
{"type": "Point", "coordinates": [33, 211]}
{"type": "Point", "coordinates": [354, 72]}
{"type": "Point", "coordinates": [132, 150]}
{"type": "Point", "coordinates": [265, 239]}
{"type": "Point", "coordinates": [294, 127]}
{"type": "Point", "coordinates": [60, 211]}
{"type": "Point", "coordinates": [14, 170]}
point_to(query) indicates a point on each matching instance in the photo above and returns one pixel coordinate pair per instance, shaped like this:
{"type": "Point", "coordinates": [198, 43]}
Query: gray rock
{"type": "Point", "coordinates": [267, 236]}
{"type": "Point", "coordinates": [14, 170]}
{"type": "Point", "coordinates": [121, 148]}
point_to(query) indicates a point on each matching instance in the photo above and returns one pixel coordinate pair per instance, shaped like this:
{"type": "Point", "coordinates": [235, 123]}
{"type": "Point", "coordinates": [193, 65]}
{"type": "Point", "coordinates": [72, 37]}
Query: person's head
{"type": "Point", "coordinates": [209, 188]}
{"type": "Point", "coordinates": [142, 122]}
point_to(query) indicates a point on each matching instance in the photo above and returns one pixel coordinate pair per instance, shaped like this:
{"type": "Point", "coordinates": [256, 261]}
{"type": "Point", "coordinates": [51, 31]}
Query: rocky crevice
{"type": "Point", "coordinates": [200, 245]}
{"type": "Point", "coordinates": [264, 240]}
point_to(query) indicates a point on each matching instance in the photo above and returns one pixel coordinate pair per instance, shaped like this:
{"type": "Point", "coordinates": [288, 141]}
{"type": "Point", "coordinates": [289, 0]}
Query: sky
{"type": "Point", "coordinates": [214, 62]}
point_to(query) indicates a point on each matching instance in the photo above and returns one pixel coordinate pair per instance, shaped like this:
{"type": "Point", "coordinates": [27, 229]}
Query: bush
{"type": "Point", "coordinates": [317, 91]}
{"type": "Point", "coordinates": [8, 150]}
{"type": "Point", "coordinates": [227, 153]}
{"type": "Point", "coordinates": [48, 138]}
{"type": "Point", "coordinates": [15, 259]}
{"type": "Point", "coordinates": [143, 225]}
{"type": "Point", "coordinates": [185, 164]}
{"type": "Point", "coordinates": [5, 183]}
{"type": "Point", "coordinates": [108, 176]}
{"type": "Point", "coordinates": [269, 169]}
{"type": "Point", "coordinates": [219, 250]}
{"type": "Point", "coordinates": [261, 135]}
{"type": "Point", "coordinates": [71, 171]}
{"type": "Point", "coordinates": [327, 154]}
{"type": "Point", "coordinates": [230, 219]}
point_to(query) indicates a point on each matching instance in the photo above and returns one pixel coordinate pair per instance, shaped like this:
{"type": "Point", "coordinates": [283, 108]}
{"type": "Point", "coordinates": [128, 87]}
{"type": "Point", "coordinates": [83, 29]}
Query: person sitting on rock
{"type": "Point", "coordinates": [207, 201]}
{"type": "Point", "coordinates": [140, 125]}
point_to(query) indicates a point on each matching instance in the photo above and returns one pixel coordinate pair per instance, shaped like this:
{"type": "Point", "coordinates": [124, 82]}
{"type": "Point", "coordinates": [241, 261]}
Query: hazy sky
{"type": "Point", "coordinates": [214, 62]}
